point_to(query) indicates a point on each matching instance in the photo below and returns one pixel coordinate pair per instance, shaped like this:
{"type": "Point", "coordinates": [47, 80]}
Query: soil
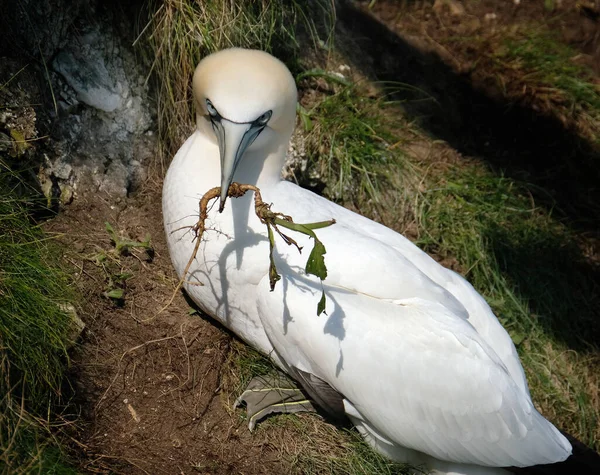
{"type": "Point", "coordinates": [153, 388]}
{"type": "Point", "coordinates": [150, 384]}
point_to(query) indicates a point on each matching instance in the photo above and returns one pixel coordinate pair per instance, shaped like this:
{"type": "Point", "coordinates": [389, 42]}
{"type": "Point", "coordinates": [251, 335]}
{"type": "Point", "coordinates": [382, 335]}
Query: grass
{"type": "Point", "coordinates": [35, 330]}
{"type": "Point", "coordinates": [530, 64]}
{"type": "Point", "coordinates": [549, 61]}
{"type": "Point", "coordinates": [353, 155]}
{"type": "Point", "coordinates": [349, 169]}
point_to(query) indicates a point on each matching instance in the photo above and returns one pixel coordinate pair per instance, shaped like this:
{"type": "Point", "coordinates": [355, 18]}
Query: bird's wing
{"type": "Point", "coordinates": [356, 260]}
{"type": "Point", "coordinates": [372, 238]}
{"type": "Point", "coordinates": [419, 374]}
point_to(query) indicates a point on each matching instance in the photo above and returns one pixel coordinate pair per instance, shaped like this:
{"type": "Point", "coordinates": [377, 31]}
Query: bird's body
{"type": "Point", "coordinates": [419, 362]}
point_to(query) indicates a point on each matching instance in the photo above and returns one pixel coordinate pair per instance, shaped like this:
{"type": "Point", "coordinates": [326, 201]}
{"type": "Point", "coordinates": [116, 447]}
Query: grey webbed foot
{"type": "Point", "coordinates": [272, 394]}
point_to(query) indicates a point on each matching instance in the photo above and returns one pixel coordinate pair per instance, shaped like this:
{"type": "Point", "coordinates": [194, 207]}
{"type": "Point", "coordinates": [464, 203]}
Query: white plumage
{"type": "Point", "coordinates": [425, 370]}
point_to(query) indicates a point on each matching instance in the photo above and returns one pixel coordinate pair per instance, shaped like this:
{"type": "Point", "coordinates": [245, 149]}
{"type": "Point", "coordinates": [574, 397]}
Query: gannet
{"type": "Point", "coordinates": [407, 349]}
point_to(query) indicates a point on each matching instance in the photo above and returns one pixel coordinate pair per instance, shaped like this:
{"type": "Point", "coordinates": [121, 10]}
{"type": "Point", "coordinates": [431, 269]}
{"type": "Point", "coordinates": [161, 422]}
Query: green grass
{"type": "Point", "coordinates": [34, 334]}
{"type": "Point", "coordinates": [350, 168]}
{"type": "Point", "coordinates": [352, 151]}
{"type": "Point", "coordinates": [547, 60]}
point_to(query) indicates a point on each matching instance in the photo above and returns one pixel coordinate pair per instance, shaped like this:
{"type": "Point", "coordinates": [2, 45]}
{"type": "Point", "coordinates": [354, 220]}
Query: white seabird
{"type": "Point", "coordinates": [408, 350]}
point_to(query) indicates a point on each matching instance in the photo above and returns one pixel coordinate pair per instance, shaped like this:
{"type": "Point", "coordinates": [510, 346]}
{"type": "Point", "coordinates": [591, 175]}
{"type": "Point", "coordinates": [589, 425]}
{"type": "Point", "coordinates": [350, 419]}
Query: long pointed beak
{"type": "Point", "coordinates": [234, 139]}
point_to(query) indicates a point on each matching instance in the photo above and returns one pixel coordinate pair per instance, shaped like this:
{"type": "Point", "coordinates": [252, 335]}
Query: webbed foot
{"type": "Point", "coordinates": [271, 394]}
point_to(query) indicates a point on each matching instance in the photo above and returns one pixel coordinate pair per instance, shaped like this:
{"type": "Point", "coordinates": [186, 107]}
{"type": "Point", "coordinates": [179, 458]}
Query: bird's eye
{"type": "Point", "coordinates": [211, 109]}
{"type": "Point", "coordinates": [263, 119]}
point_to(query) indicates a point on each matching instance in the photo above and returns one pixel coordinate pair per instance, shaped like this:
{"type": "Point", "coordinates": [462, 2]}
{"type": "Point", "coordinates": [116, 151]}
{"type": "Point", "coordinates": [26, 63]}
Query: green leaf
{"type": "Point", "coordinates": [99, 258]}
{"type": "Point", "coordinates": [321, 304]}
{"type": "Point", "coordinates": [123, 276]}
{"type": "Point", "coordinates": [115, 294]}
{"type": "Point", "coordinates": [273, 275]}
{"type": "Point", "coordinates": [315, 264]}
{"type": "Point", "coordinates": [110, 230]}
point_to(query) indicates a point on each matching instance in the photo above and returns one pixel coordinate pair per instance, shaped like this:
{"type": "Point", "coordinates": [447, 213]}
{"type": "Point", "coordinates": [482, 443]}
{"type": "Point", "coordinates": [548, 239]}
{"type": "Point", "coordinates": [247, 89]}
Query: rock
{"type": "Point", "coordinates": [90, 92]}
{"type": "Point", "coordinates": [77, 324]}
{"type": "Point", "coordinates": [84, 68]}
{"type": "Point", "coordinates": [106, 121]}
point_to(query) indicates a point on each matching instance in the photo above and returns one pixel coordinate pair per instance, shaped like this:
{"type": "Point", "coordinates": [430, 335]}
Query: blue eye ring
{"type": "Point", "coordinates": [212, 111]}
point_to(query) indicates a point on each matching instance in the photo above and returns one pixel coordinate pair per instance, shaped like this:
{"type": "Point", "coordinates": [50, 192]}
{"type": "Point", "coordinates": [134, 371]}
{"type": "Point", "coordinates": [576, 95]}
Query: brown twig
{"type": "Point", "coordinates": [267, 217]}
{"type": "Point", "coordinates": [236, 190]}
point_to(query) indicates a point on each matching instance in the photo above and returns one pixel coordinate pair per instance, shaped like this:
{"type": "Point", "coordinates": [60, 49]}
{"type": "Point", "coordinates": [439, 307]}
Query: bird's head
{"type": "Point", "coordinates": [249, 99]}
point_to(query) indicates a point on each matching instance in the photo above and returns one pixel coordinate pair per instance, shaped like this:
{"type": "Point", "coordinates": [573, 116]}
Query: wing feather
{"type": "Point", "coordinates": [421, 375]}
{"type": "Point", "coordinates": [465, 300]}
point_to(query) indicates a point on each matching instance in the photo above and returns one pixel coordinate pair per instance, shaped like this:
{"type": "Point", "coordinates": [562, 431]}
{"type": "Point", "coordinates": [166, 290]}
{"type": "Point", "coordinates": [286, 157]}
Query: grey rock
{"type": "Point", "coordinates": [106, 114]}
{"type": "Point", "coordinates": [83, 64]}
{"type": "Point", "coordinates": [100, 140]}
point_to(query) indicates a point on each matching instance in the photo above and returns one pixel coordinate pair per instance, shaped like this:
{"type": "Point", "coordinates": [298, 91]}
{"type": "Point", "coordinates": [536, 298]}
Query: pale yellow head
{"type": "Point", "coordinates": [249, 99]}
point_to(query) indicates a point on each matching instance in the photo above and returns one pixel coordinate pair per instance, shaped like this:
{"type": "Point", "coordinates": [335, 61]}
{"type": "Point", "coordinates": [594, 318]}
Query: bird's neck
{"type": "Point", "coordinates": [262, 168]}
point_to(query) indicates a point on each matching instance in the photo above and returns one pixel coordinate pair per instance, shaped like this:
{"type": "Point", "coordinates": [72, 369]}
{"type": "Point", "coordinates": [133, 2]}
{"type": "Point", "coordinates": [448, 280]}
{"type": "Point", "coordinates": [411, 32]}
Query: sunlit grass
{"type": "Point", "coordinates": [353, 153]}
{"type": "Point", "coordinates": [549, 61]}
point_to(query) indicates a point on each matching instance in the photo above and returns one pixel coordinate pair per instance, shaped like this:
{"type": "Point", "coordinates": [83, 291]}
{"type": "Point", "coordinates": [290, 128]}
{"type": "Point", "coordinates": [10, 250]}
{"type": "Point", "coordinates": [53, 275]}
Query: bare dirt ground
{"type": "Point", "coordinates": [151, 387]}
{"type": "Point", "coordinates": [154, 389]}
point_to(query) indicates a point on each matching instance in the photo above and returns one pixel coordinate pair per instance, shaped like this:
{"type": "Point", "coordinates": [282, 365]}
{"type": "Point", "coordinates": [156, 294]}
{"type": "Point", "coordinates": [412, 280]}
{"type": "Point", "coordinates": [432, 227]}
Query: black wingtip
{"type": "Point", "coordinates": [584, 460]}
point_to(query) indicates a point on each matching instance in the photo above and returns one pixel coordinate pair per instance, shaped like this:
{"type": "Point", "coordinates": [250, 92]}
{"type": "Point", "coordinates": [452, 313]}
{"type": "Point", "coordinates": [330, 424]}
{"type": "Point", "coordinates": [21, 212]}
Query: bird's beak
{"type": "Point", "coordinates": [234, 139]}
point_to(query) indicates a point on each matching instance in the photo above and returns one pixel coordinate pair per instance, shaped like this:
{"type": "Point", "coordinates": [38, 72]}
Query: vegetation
{"type": "Point", "coordinates": [547, 61]}
{"type": "Point", "coordinates": [36, 327]}
{"type": "Point", "coordinates": [521, 258]}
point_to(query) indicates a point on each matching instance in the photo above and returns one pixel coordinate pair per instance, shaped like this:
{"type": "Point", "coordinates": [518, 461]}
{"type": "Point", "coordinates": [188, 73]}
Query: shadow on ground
{"type": "Point", "coordinates": [562, 168]}
{"type": "Point", "coordinates": [560, 285]}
